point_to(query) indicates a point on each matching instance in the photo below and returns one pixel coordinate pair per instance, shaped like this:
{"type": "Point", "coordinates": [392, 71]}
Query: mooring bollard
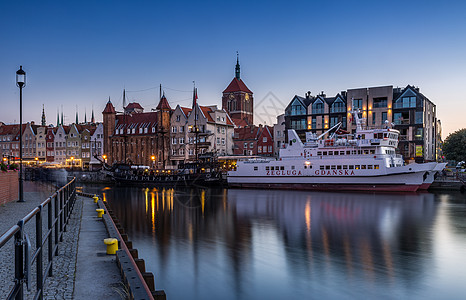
{"type": "Point", "coordinates": [112, 245]}
{"type": "Point", "coordinates": [95, 198]}
{"type": "Point", "coordinates": [100, 212]}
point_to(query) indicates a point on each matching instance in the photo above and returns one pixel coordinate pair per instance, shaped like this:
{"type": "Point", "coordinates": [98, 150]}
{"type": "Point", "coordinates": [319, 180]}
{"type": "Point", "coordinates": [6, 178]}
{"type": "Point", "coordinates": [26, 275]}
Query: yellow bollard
{"type": "Point", "coordinates": [112, 245]}
{"type": "Point", "coordinates": [100, 212]}
{"type": "Point", "coordinates": [95, 198]}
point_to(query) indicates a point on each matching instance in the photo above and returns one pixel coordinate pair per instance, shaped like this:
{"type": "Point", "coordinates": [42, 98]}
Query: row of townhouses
{"type": "Point", "coordinates": [73, 145]}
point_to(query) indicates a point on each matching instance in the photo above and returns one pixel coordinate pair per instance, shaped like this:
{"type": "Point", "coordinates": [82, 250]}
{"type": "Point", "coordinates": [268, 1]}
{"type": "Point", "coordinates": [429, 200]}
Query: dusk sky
{"type": "Point", "coordinates": [79, 53]}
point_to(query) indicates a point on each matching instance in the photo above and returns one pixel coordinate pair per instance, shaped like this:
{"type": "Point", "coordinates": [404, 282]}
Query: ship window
{"type": "Point", "coordinates": [366, 151]}
{"type": "Point", "coordinates": [345, 167]}
{"type": "Point", "coordinates": [321, 167]}
{"type": "Point", "coordinates": [324, 153]}
{"type": "Point", "coordinates": [305, 167]}
{"type": "Point", "coordinates": [363, 167]}
{"type": "Point", "coordinates": [267, 168]}
{"type": "Point", "coordinates": [338, 167]}
{"type": "Point", "coordinates": [334, 167]}
{"type": "Point", "coordinates": [351, 167]}
{"type": "Point", "coordinates": [354, 152]}
{"type": "Point", "coordinates": [292, 168]}
{"type": "Point", "coordinates": [376, 167]}
{"type": "Point", "coordinates": [359, 151]}
{"type": "Point", "coordinates": [357, 167]}
{"type": "Point", "coordinates": [327, 167]}
{"type": "Point", "coordinates": [283, 168]}
{"type": "Point", "coordinates": [319, 152]}
{"type": "Point", "coordinates": [336, 153]}
{"type": "Point", "coordinates": [330, 153]}
{"type": "Point", "coordinates": [369, 167]}
{"type": "Point", "coordinates": [342, 152]}
{"type": "Point", "coordinates": [255, 168]}
{"type": "Point", "coordinates": [348, 152]}
{"type": "Point", "coordinates": [372, 151]}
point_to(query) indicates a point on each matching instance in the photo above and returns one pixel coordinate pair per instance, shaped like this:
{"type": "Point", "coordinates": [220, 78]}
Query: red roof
{"type": "Point", "coordinates": [206, 111]}
{"type": "Point", "coordinates": [240, 122]}
{"type": "Point", "coordinates": [247, 133]}
{"type": "Point", "coordinates": [109, 109]}
{"type": "Point", "coordinates": [134, 105]}
{"type": "Point", "coordinates": [237, 85]}
{"type": "Point", "coordinates": [163, 104]}
{"type": "Point", "coordinates": [186, 110]}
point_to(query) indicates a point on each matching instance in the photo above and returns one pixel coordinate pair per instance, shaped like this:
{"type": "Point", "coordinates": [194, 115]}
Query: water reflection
{"type": "Point", "coordinates": [247, 244]}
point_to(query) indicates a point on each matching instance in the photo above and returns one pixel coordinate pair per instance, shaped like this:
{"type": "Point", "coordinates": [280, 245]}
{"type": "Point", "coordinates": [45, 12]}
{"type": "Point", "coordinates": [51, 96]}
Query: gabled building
{"type": "Point", "coordinates": [97, 145]}
{"type": "Point", "coordinates": [41, 145]}
{"type": "Point", "coordinates": [253, 140]}
{"type": "Point", "coordinates": [60, 144]}
{"type": "Point", "coordinates": [136, 136]}
{"type": "Point", "coordinates": [9, 141]}
{"type": "Point", "coordinates": [50, 144]}
{"type": "Point", "coordinates": [279, 131]}
{"type": "Point", "coordinates": [29, 141]}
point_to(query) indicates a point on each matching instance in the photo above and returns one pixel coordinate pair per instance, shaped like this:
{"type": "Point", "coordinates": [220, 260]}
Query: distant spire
{"type": "Point", "coordinates": [62, 116]}
{"type": "Point", "coordinates": [43, 122]}
{"type": "Point", "coordinates": [58, 117]}
{"type": "Point", "coordinates": [237, 70]}
{"type": "Point", "coordinates": [92, 117]}
{"type": "Point", "coordinates": [85, 116]}
{"type": "Point", "coordinates": [76, 115]}
{"type": "Point", "coordinates": [124, 99]}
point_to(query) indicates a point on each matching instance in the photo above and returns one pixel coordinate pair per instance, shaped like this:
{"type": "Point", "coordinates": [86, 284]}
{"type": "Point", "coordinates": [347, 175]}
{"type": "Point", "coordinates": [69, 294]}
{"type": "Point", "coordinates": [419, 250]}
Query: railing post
{"type": "Point", "coordinates": [65, 208]}
{"type": "Point", "coordinates": [50, 241]}
{"type": "Point", "coordinates": [56, 221]}
{"type": "Point", "coordinates": [39, 265]}
{"type": "Point", "coordinates": [62, 192]}
{"type": "Point", "coordinates": [19, 263]}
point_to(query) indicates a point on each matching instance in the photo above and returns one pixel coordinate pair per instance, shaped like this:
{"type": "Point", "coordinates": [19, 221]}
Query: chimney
{"type": "Point", "coordinates": [308, 94]}
{"type": "Point", "coordinates": [322, 94]}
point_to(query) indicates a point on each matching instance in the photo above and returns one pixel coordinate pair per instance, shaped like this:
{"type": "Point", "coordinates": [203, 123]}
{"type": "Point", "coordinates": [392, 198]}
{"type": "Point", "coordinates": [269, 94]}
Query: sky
{"type": "Point", "coordinates": [77, 54]}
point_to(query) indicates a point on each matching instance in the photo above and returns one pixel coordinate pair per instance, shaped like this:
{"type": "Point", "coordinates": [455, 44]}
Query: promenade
{"type": "Point", "coordinates": [82, 270]}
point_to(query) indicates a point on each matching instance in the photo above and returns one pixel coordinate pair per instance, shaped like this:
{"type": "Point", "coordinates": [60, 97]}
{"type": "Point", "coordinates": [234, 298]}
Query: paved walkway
{"type": "Point", "coordinates": [81, 270]}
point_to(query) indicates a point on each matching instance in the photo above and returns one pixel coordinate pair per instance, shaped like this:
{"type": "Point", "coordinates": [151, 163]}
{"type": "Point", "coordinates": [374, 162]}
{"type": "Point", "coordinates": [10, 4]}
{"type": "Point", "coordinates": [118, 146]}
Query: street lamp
{"type": "Point", "coordinates": [153, 160]}
{"type": "Point", "coordinates": [21, 82]}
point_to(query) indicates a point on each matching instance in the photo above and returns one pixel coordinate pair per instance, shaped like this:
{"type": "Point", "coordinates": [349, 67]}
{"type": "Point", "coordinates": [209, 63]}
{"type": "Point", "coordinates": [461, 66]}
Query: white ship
{"type": "Point", "coordinates": [364, 161]}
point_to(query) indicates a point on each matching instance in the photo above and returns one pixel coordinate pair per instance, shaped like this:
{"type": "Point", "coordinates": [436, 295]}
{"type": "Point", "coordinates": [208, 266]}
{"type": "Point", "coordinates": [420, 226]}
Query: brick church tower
{"type": "Point", "coordinates": [238, 101]}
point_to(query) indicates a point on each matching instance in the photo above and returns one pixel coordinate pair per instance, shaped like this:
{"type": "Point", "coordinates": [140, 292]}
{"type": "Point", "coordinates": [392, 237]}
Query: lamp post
{"type": "Point", "coordinates": [153, 160]}
{"type": "Point", "coordinates": [21, 82]}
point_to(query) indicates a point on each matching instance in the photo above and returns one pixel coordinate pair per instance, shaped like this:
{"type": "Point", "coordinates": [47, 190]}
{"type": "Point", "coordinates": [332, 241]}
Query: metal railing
{"type": "Point", "coordinates": [59, 208]}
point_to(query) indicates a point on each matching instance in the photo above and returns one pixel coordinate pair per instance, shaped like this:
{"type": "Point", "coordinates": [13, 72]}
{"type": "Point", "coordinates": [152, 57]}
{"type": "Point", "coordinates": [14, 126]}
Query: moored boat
{"type": "Point", "coordinates": [364, 161]}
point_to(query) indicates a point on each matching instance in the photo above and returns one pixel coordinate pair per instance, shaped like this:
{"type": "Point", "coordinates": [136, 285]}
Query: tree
{"type": "Point", "coordinates": [454, 147]}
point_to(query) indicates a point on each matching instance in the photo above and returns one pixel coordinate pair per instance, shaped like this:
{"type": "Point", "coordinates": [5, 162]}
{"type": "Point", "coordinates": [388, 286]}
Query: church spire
{"type": "Point", "coordinates": [58, 117]}
{"type": "Point", "coordinates": [62, 116]}
{"type": "Point", "coordinates": [76, 115]}
{"type": "Point", "coordinates": [237, 71]}
{"type": "Point", "coordinates": [92, 117]}
{"type": "Point", "coordinates": [43, 122]}
{"type": "Point", "coordinates": [85, 116]}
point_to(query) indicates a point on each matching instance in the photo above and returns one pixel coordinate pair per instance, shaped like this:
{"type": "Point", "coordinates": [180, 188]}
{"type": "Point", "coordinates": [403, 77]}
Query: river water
{"type": "Point", "coordinates": [264, 244]}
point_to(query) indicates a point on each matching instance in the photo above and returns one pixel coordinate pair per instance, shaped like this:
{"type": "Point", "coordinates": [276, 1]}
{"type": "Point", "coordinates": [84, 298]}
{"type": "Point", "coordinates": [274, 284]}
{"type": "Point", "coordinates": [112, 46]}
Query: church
{"type": "Point", "coordinates": [238, 100]}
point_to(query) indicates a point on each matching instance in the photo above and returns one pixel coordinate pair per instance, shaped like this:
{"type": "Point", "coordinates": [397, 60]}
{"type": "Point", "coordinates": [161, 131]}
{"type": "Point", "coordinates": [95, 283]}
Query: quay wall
{"type": "Point", "coordinates": [9, 185]}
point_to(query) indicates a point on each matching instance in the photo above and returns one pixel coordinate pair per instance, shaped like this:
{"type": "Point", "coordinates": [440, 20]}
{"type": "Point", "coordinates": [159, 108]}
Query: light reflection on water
{"type": "Point", "coordinates": [258, 244]}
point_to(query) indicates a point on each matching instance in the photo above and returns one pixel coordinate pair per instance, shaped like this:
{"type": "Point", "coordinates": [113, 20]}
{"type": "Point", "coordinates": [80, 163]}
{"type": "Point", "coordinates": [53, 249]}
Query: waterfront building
{"type": "Point", "coordinates": [41, 147]}
{"type": "Point", "coordinates": [29, 141]}
{"type": "Point", "coordinates": [50, 144]}
{"type": "Point", "coordinates": [238, 100]}
{"type": "Point", "coordinates": [179, 136]}
{"type": "Point", "coordinates": [136, 136]}
{"type": "Point", "coordinates": [97, 144]}
{"type": "Point", "coordinates": [315, 113]}
{"type": "Point", "coordinates": [9, 141]}
{"type": "Point", "coordinates": [414, 116]}
{"type": "Point", "coordinates": [279, 131]}
{"type": "Point", "coordinates": [73, 147]}
{"type": "Point", "coordinates": [409, 110]}
{"type": "Point", "coordinates": [85, 133]}
{"type": "Point", "coordinates": [60, 144]}
{"type": "Point", "coordinates": [254, 140]}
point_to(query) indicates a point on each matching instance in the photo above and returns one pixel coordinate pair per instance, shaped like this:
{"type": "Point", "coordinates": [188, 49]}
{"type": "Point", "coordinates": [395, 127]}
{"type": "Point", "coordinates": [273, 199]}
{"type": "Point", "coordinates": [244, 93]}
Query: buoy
{"type": "Point", "coordinates": [112, 245]}
{"type": "Point", "coordinates": [100, 212]}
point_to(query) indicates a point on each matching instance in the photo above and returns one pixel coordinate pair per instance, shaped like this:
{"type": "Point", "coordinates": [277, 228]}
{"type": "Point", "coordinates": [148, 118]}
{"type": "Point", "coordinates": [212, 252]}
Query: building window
{"type": "Point", "coordinates": [181, 151]}
{"type": "Point", "coordinates": [259, 149]}
{"type": "Point", "coordinates": [173, 129]}
{"type": "Point", "coordinates": [181, 141]}
{"type": "Point", "coordinates": [245, 145]}
{"type": "Point", "coordinates": [419, 117]}
{"type": "Point", "coordinates": [270, 148]}
{"type": "Point", "coordinates": [338, 106]}
{"type": "Point", "coordinates": [373, 118]}
{"type": "Point", "coordinates": [153, 129]}
{"type": "Point", "coordinates": [218, 140]}
{"type": "Point", "coordinates": [223, 141]}
{"type": "Point", "coordinates": [174, 141]}
{"type": "Point", "coordinates": [140, 130]}
{"type": "Point", "coordinates": [380, 102]}
{"type": "Point", "coordinates": [178, 118]}
{"type": "Point", "coordinates": [333, 121]}
{"type": "Point", "coordinates": [318, 107]}
{"type": "Point", "coordinates": [145, 130]}
{"type": "Point", "coordinates": [406, 102]}
{"type": "Point", "coordinates": [384, 117]}
{"type": "Point", "coordinates": [264, 140]}
{"type": "Point", "coordinates": [357, 103]}
{"type": "Point", "coordinates": [181, 129]}
{"type": "Point", "coordinates": [251, 145]}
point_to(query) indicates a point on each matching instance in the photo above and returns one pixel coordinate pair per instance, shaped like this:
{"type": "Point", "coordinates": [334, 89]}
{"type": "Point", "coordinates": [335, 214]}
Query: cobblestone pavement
{"type": "Point", "coordinates": [61, 284]}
